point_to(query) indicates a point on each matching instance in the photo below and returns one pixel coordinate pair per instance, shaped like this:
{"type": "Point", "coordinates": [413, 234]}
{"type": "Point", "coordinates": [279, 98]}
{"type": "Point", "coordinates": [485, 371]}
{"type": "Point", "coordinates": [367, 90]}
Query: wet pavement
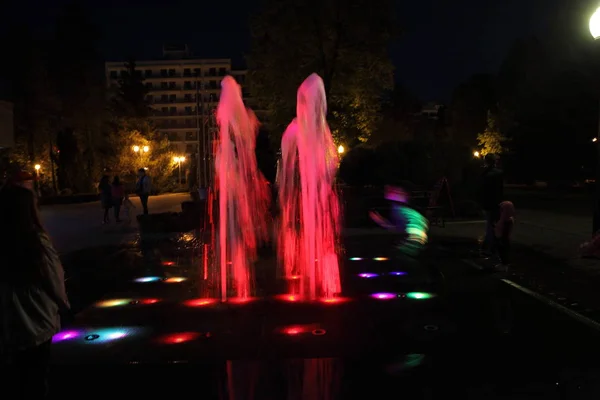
{"type": "Point", "coordinates": [446, 329]}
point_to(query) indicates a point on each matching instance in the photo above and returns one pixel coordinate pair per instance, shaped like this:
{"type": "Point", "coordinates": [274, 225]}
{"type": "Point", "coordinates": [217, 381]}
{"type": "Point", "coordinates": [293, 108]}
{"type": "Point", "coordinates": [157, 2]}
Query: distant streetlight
{"type": "Point", "coordinates": [179, 160]}
{"type": "Point", "coordinates": [146, 149]}
{"type": "Point", "coordinates": [136, 148]}
{"type": "Point", "coordinates": [595, 139]}
{"type": "Point", "coordinates": [595, 32]}
{"type": "Point", "coordinates": [476, 154]}
{"type": "Point", "coordinates": [341, 149]}
{"type": "Point", "coordinates": [37, 168]}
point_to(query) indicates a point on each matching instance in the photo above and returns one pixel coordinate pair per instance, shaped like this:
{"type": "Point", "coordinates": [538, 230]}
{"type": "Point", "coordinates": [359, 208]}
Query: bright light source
{"type": "Point", "coordinates": [419, 295]}
{"type": "Point", "coordinates": [146, 149]}
{"type": "Point", "coordinates": [595, 140]}
{"type": "Point", "coordinates": [176, 159]}
{"type": "Point", "coordinates": [595, 24]}
{"type": "Point", "coordinates": [182, 159]}
{"type": "Point", "coordinates": [341, 149]}
{"type": "Point", "coordinates": [476, 154]}
{"type": "Point", "coordinates": [136, 148]}
{"type": "Point", "coordinates": [37, 167]}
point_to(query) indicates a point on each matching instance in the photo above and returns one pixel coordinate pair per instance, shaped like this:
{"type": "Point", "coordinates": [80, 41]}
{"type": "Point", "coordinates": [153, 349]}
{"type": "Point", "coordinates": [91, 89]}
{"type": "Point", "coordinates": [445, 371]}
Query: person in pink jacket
{"type": "Point", "coordinates": [32, 294]}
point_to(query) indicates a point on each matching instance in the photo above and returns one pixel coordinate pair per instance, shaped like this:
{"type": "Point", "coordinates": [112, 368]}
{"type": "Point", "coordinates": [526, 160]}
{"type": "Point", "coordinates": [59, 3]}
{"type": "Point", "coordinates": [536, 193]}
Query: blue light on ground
{"type": "Point", "coordinates": [356, 259]}
{"type": "Point", "coordinates": [368, 275]}
{"type": "Point", "coordinates": [146, 279]}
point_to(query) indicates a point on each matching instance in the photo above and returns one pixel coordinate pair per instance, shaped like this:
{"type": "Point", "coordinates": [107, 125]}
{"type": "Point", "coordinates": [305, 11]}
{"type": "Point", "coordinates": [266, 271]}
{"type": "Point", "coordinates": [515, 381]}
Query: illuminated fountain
{"type": "Point", "coordinates": [242, 194]}
{"type": "Point", "coordinates": [309, 225]}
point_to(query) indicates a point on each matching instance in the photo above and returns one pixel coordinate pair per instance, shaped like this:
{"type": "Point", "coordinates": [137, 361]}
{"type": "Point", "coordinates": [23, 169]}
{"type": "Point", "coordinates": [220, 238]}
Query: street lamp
{"type": "Point", "coordinates": [136, 148]}
{"type": "Point", "coordinates": [341, 149]}
{"type": "Point", "coordinates": [595, 32]}
{"type": "Point", "coordinates": [179, 160]}
{"type": "Point", "coordinates": [37, 168]}
{"type": "Point", "coordinates": [476, 154]}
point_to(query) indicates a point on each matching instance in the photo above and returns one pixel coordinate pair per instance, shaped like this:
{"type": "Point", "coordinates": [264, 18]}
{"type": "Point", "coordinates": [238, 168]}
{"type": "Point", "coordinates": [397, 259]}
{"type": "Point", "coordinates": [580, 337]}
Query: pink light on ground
{"type": "Point", "coordinates": [181, 337]}
{"type": "Point", "coordinates": [199, 302]}
{"type": "Point", "coordinates": [242, 193]}
{"type": "Point", "coordinates": [334, 300]}
{"type": "Point", "coordinates": [239, 300]}
{"type": "Point", "coordinates": [306, 194]}
{"type": "Point", "coordinates": [289, 298]}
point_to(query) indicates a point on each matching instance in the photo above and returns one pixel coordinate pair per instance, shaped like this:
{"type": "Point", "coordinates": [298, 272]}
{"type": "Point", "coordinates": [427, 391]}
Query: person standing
{"type": "Point", "coordinates": [105, 197]}
{"type": "Point", "coordinates": [32, 295]}
{"type": "Point", "coordinates": [118, 193]}
{"type": "Point", "coordinates": [492, 193]}
{"type": "Point", "coordinates": [142, 188]}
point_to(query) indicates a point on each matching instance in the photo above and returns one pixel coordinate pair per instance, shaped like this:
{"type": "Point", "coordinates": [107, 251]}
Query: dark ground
{"type": "Point", "coordinates": [480, 338]}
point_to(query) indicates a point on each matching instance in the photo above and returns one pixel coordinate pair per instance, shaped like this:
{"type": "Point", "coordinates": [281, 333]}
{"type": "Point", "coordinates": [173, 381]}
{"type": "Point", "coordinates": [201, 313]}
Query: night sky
{"type": "Point", "coordinates": [443, 43]}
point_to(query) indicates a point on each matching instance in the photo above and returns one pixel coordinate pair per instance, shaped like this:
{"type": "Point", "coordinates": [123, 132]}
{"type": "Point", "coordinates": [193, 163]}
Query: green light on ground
{"type": "Point", "coordinates": [419, 295]}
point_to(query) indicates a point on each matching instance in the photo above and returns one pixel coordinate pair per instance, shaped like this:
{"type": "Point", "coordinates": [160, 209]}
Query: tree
{"type": "Point", "coordinates": [130, 98]}
{"type": "Point", "coordinates": [124, 161]}
{"type": "Point", "coordinates": [346, 43]}
{"type": "Point", "coordinates": [491, 140]}
{"type": "Point", "coordinates": [77, 72]}
{"type": "Point", "coordinates": [35, 102]}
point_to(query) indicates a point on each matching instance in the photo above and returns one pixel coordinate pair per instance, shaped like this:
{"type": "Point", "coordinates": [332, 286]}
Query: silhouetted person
{"type": "Point", "coordinates": [32, 294]}
{"type": "Point", "coordinates": [105, 197]}
{"type": "Point", "coordinates": [492, 193]}
{"type": "Point", "coordinates": [118, 193]}
{"type": "Point", "coordinates": [143, 188]}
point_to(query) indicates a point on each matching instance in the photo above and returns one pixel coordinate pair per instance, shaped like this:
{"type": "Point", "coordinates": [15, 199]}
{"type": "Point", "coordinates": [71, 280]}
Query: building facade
{"type": "Point", "coordinates": [183, 92]}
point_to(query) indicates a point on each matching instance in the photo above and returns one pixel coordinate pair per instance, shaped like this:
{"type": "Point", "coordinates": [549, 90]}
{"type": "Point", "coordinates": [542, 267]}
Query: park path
{"type": "Point", "coordinates": [75, 227]}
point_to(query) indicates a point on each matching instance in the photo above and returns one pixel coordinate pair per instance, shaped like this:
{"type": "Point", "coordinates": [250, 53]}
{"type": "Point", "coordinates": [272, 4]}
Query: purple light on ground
{"type": "Point", "coordinates": [368, 275]}
{"type": "Point", "coordinates": [65, 335]}
{"type": "Point", "coordinates": [384, 296]}
{"type": "Point", "coordinates": [397, 273]}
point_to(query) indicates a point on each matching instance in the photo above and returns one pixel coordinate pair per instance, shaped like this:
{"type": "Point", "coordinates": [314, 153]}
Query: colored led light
{"type": "Point", "coordinates": [175, 279]}
{"type": "Point", "coordinates": [368, 275]}
{"type": "Point", "coordinates": [199, 302]}
{"type": "Point", "coordinates": [181, 337]}
{"type": "Point", "coordinates": [289, 297]}
{"type": "Point", "coordinates": [384, 296]}
{"type": "Point", "coordinates": [334, 300]}
{"type": "Point", "coordinates": [146, 279]}
{"type": "Point", "coordinates": [380, 259]}
{"type": "Point", "coordinates": [419, 295]}
{"type": "Point", "coordinates": [356, 259]}
{"type": "Point", "coordinates": [168, 263]}
{"type": "Point", "coordinates": [149, 301]}
{"type": "Point", "coordinates": [113, 303]}
{"type": "Point", "coordinates": [65, 335]}
{"type": "Point", "coordinates": [397, 273]}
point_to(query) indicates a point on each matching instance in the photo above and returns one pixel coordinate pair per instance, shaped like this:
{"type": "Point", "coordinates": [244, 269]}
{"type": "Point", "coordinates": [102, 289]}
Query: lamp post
{"type": "Point", "coordinates": [141, 150]}
{"type": "Point", "coordinates": [179, 160]}
{"type": "Point", "coordinates": [341, 149]}
{"type": "Point", "coordinates": [595, 32]}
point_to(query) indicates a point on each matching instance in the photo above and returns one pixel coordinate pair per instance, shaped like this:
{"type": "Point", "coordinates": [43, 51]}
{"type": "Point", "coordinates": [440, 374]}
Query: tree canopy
{"type": "Point", "coordinates": [346, 43]}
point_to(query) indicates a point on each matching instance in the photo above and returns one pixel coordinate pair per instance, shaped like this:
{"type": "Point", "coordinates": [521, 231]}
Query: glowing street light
{"type": "Point", "coordinates": [146, 149]}
{"type": "Point", "coordinates": [179, 160]}
{"type": "Point", "coordinates": [341, 149]}
{"type": "Point", "coordinates": [37, 168]}
{"type": "Point", "coordinates": [595, 139]}
{"type": "Point", "coordinates": [476, 154]}
{"type": "Point", "coordinates": [136, 148]}
{"type": "Point", "coordinates": [595, 32]}
{"type": "Point", "coordinates": [595, 24]}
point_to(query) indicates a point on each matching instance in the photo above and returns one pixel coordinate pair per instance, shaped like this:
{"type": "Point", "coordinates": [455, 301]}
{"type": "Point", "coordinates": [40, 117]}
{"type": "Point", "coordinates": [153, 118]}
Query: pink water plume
{"type": "Point", "coordinates": [310, 211]}
{"type": "Point", "coordinates": [242, 193]}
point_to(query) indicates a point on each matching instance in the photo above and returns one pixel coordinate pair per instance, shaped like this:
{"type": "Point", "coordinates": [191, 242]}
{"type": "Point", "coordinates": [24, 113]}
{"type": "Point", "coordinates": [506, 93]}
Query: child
{"type": "Point", "coordinates": [503, 232]}
{"type": "Point", "coordinates": [406, 221]}
{"type": "Point", "coordinates": [127, 206]}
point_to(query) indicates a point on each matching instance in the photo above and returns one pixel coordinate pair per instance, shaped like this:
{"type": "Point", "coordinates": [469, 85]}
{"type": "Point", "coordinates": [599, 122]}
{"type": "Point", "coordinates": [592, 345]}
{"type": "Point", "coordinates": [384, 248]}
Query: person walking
{"type": "Point", "coordinates": [117, 194]}
{"type": "Point", "coordinates": [491, 194]}
{"type": "Point", "coordinates": [32, 295]}
{"type": "Point", "coordinates": [105, 190]}
{"type": "Point", "coordinates": [143, 188]}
